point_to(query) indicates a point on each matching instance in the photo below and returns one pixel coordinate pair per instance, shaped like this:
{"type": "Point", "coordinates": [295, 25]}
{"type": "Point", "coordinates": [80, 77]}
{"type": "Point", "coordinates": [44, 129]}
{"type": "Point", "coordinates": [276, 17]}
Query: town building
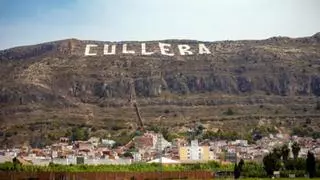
{"type": "Point", "coordinates": [194, 152]}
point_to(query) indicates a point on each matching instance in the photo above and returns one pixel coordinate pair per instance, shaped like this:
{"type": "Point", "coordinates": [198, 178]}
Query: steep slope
{"type": "Point", "coordinates": [48, 88]}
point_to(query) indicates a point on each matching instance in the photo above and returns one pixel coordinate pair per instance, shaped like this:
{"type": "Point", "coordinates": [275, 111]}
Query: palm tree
{"type": "Point", "coordinates": [241, 164]}
{"type": "Point", "coordinates": [285, 152]}
{"type": "Point", "coordinates": [295, 150]}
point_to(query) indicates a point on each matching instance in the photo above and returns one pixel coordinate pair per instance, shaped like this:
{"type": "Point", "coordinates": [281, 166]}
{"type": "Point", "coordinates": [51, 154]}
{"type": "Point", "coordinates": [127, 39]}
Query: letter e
{"type": "Point", "coordinates": [164, 49]}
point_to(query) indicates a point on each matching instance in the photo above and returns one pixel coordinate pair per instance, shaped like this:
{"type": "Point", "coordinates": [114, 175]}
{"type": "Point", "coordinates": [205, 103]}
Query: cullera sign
{"type": "Point", "coordinates": [164, 49]}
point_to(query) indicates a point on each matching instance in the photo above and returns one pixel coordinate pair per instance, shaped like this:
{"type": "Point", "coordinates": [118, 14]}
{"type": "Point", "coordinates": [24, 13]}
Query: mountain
{"type": "Point", "coordinates": [46, 90]}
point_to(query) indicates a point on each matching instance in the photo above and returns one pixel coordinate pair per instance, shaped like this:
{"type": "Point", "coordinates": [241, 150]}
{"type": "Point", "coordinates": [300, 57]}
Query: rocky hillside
{"type": "Point", "coordinates": [47, 89]}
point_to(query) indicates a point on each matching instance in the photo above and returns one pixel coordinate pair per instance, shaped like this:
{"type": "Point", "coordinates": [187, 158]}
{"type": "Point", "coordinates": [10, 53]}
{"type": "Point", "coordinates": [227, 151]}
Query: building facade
{"type": "Point", "coordinates": [194, 152]}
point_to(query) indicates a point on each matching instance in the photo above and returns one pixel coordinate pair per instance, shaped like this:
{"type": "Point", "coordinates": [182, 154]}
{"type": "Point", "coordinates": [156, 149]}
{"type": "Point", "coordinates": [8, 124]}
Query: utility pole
{"type": "Point", "coordinates": [159, 139]}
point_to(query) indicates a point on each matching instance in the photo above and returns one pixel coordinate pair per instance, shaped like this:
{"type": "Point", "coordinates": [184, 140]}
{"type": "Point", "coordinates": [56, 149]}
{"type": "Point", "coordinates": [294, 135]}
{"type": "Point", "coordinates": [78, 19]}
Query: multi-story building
{"type": "Point", "coordinates": [194, 152]}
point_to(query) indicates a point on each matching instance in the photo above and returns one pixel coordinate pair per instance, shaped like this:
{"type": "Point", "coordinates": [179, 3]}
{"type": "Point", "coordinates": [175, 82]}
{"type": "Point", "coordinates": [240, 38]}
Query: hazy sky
{"type": "Point", "coordinates": [25, 22]}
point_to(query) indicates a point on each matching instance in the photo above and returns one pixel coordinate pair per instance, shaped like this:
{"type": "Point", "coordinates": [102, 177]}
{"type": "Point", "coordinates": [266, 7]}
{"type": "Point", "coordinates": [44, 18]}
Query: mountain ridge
{"type": "Point", "coordinates": [56, 86]}
{"type": "Point", "coordinates": [63, 46]}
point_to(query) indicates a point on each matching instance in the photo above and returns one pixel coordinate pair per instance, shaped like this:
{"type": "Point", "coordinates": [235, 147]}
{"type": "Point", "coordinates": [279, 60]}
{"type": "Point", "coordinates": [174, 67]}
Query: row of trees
{"type": "Point", "coordinates": [279, 159]}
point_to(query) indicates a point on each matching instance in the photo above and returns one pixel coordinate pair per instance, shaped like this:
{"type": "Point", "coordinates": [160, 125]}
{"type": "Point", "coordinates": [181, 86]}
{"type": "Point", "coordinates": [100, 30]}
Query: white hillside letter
{"type": "Point", "coordinates": [106, 49]}
{"type": "Point", "coordinates": [144, 51]}
{"type": "Point", "coordinates": [164, 49]}
{"type": "Point", "coordinates": [87, 50]}
{"type": "Point", "coordinates": [125, 50]}
{"type": "Point", "coordinates": [184, 49]}
{"type": "Point", "coordinates": [203, 49]}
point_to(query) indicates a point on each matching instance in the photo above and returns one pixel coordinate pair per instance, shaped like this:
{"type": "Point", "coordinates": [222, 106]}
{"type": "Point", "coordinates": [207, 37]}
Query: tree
{"type": "Point", "coordinates": [199, 129]}
{"type": "Point", "coordinates": [16, 164]}
{"type": "Point", "coordinates": [271, 163]}
{"type": "Point", "coordinates": [277, 152]}
{"type": "Point", "coordinates": [196, 132]}
{"type": "Point", "coordinates": [285, 152]}
{"type": "Point", "coordinates": [311, 164]}
{"type": "Point", "coordinates": [236, 171]}
{"type": "Point", "coordinates": [79, 134]}
{"type": "Point", "coordinates": [209, 135]}
{"type": "Point", "coordinates": [165, 133]}
{"type": "Point", "coordinates": [241, 164]}
{"type": "Point", "coordinates": [295, 150]}
{"type": "Point", "coordinates": [127, 155]}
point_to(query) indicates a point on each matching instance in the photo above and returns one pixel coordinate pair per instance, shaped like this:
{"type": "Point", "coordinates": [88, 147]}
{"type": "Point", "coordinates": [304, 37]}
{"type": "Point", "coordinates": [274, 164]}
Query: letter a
{"type": "Point", "coordinates": [203, 49]}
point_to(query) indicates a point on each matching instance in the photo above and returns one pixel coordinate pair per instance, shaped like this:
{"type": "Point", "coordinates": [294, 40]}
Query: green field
{"type": "Point", "coordinates": [250, 170]}
{"type": "Point", "coordinates": [266, 178]}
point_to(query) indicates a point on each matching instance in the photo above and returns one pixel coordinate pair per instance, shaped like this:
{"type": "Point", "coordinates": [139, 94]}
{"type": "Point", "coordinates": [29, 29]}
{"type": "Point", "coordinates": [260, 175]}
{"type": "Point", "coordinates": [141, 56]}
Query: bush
{"type": "Point", "coordinates": [316, 135]}
{"type": "Point", "coordinates": [318, 105]}
{"type": "Point", "coordinates": [271, 163]}
{"type": "Point", "coordinates": [229, 112]}
{"type": "Point", "coordinates": [116, 128]}
{"type": "Point", "coordinates": [297, 173]}
{"type": "Point", "coordinates": [295, 164]}
{"type": "Point", "coordinates": [221, 135]}
{"type": "Point", "coordinates": [7, 166]}
{"type": "Point", "coordinates": [252, 169]}
{"type": "Point", "coordinates": [300, 131]}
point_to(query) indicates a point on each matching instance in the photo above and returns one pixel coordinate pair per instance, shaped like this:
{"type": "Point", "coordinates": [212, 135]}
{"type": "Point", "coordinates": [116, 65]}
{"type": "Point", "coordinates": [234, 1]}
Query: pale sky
{"type": "Point", "coordinates": [24, 22]}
